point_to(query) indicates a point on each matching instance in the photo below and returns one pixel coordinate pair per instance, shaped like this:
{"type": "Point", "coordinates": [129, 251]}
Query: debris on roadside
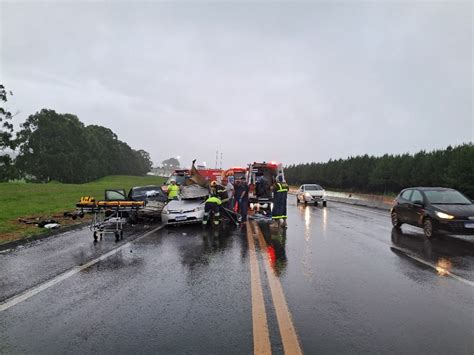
{"type": "Point", "coordinates": [52, 226]}
{"type": "Point", "coordinates": [50, 222]}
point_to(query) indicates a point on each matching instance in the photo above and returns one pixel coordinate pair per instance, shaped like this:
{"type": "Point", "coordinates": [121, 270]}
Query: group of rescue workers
{"type": "Point", "coordinates": [232, 200]}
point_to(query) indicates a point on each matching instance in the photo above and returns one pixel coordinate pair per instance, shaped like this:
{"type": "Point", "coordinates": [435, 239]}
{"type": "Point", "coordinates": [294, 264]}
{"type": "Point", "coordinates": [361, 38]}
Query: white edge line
{"type": "Point", "coordinates": [12, 301]}
{"type": "Point", "coordinates": [424, 262]}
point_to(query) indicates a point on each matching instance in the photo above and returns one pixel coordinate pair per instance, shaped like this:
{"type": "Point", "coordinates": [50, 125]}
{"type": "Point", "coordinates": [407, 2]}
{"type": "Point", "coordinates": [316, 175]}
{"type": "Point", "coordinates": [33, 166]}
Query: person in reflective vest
{"type": "Point", "coordinates": [280, 192]}
{"type": "Point", "coordinates": [217, 196]}
{"type": "Point", "coordinates": [173, 190]}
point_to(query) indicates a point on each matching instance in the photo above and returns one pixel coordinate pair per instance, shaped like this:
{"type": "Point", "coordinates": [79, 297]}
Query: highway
{"type": "Point", "coordinates": [337, 280]}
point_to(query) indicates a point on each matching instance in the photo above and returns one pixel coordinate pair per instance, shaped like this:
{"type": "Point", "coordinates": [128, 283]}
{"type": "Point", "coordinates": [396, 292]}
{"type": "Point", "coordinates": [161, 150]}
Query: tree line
{"type": "Point", "coordinates": [450, 167]}
{"type": "Point", "coordinates": [54, 146]}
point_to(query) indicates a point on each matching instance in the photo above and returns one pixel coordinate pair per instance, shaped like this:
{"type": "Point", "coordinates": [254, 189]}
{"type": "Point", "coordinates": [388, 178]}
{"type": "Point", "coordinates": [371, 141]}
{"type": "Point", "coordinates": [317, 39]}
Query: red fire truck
{"type": "Point", "coordinates": [237, 172]}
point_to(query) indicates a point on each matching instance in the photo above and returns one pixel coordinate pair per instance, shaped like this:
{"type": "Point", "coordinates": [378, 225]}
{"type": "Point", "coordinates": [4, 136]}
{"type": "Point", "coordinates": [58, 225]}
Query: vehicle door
{"type": "Point", "coordinates": [416, 208]}
{"type": "Point", "coordinates": [403, 205]}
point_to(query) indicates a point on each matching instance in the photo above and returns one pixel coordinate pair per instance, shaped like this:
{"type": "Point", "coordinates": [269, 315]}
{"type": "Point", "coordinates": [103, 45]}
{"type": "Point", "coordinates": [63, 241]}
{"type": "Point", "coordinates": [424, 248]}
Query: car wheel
{"type": "Point", "coordinates": [428, 228]}
{"type": "Point", "coordinates": [316, 203]}
{"type": "Point", "coordinates": [395, 220]}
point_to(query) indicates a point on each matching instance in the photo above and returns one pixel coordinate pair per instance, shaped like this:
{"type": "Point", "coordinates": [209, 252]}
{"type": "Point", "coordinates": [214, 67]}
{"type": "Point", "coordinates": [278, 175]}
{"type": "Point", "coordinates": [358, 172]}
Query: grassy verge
{"type": "Point", "coordinates": [20, 200]}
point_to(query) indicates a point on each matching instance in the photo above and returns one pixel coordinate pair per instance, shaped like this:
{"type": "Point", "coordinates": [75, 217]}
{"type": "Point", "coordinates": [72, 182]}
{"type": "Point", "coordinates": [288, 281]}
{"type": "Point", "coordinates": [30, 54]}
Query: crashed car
{"type": "Point", "coordinates": [153, 196]}
{"type": "Point", "coordinates": [188, 208]}
{"type": "Point", "coordinates": [183, 211]}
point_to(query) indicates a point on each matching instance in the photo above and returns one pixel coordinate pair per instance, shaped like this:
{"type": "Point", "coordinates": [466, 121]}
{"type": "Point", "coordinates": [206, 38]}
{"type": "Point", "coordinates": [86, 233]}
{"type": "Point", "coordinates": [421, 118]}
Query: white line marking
{"type": "Point", "coordinates": [433, 266]}
{"type": "Point", "coordinates": [12, 301]}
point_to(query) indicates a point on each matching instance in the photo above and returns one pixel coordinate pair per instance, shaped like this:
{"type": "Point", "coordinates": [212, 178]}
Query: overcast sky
{"type": "Point", "coordinates": [290, 82]}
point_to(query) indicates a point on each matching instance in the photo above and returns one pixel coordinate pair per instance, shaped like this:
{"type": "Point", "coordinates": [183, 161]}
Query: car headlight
{"type": "Point", "coordinates": [444, 215]}
{"type": "Point", "coordinates": [165, 211]}
{"type": "Point", "coordinates": [307, 194]}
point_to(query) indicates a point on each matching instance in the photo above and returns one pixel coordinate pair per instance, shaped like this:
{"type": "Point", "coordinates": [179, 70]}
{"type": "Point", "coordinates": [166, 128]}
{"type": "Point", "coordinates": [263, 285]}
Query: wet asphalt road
{"type": "Point", "coordinates": [351, 285]}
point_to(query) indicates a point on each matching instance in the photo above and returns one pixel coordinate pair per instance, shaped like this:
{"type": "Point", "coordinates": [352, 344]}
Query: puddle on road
{"type": "Point", "coordinates": [447, 254]}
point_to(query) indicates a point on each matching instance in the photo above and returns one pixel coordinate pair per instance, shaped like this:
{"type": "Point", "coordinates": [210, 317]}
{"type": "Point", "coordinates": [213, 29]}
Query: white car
{"type": "Point", "coordinates": [183, 211]}
{"type": "Point", "coordinates": [311, 193]}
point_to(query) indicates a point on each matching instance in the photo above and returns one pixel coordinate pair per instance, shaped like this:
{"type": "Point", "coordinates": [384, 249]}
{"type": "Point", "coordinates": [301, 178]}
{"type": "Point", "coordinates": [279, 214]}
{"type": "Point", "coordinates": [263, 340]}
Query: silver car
{"type": "Point", "coordinates": [311, 193]}
{"type": "Point", "coordinates": [183, 211]}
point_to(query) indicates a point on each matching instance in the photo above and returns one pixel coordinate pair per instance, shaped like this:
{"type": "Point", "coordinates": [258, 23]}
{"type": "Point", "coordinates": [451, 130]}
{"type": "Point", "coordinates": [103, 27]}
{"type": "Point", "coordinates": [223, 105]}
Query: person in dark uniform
{"type": "Point", "coordinates": [243, 198]}
{"type": "Point", "coordinates": [216, 203]}
{"type": "Point", "coordinates": [217, 196]}
{"type": "Point", "coordinates": [280, 192]}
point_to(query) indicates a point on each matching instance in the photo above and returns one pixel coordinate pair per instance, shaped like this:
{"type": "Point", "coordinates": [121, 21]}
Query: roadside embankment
{"type": "Point", "coordinates": [21, 204]}
{"type": "Point", "coordinates": [375, 201]}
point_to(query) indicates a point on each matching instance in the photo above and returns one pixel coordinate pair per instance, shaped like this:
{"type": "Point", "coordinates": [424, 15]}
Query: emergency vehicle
{"type": "Point", "coordinates": [237, 172]}
{"type": "Point", "coordinates": [260, 178]}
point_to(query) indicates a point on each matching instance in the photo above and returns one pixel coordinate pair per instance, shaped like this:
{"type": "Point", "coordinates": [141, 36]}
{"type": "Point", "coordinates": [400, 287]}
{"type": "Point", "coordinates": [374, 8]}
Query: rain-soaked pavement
{"type": "Point", "coordinates": [349, 283]}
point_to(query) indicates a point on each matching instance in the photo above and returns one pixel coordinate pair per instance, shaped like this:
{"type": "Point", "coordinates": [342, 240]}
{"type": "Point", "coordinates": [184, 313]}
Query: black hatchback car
{"type": "Point", "coordinates": [435, 209]}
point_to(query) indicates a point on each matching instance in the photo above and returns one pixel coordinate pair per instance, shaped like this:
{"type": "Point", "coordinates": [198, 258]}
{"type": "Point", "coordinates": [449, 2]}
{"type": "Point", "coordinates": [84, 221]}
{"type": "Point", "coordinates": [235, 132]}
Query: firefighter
{"type": "Point", "coordinates": [173, 190]}
{"type": "Point", "coordinates": [280, 192]}
{"type": "Point", "coordinates": [217, 196]}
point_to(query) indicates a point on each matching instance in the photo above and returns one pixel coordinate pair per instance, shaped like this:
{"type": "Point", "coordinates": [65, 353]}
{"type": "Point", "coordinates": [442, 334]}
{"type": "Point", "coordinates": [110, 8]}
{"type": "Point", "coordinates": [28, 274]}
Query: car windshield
{"type": "Point", "coordinates": [312, 187]}
{"type": "Point", "coordinates": [448, 197]}
{"type": "Point", "coordinates": [149, 191]}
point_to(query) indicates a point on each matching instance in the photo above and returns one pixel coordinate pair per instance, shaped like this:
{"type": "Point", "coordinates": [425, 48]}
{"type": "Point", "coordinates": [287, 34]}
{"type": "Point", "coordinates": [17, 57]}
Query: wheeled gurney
{"type": "Point", "coordinates": [108, 216]}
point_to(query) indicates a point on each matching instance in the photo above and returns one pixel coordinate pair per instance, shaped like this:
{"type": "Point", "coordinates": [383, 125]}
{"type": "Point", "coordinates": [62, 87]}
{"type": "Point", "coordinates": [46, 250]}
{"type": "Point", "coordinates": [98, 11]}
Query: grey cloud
{"type": "Point", "coordinates": [258, 81]}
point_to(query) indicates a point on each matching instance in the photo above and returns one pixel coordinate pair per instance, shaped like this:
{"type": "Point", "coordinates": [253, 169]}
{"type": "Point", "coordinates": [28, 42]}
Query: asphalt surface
{"type": "Point", "coordinates": [349, 283]}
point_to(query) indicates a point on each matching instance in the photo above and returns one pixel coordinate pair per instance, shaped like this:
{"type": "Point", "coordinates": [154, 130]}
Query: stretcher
{"type": "Point", "coordinates": [108, 216]}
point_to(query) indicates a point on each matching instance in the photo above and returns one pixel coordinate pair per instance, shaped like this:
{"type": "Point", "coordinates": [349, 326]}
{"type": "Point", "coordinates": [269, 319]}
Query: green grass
{"type": "Point", "coordinates": [43, 200]}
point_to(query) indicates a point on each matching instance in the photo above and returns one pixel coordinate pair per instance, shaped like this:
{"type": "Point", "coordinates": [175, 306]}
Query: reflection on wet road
{"type": "Point", "coordinates": [338, 280]}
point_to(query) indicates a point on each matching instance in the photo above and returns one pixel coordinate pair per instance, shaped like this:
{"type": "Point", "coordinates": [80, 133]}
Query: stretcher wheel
{"type": "Point", "coordinates": [117, 236]}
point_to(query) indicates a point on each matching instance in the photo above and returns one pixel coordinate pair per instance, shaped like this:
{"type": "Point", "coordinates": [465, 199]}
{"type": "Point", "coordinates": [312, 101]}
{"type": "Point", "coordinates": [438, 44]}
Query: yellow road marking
{"type": "Point", "coordinates": [288, 334]}
{"type": "Point", "coordinates": [261, 338]}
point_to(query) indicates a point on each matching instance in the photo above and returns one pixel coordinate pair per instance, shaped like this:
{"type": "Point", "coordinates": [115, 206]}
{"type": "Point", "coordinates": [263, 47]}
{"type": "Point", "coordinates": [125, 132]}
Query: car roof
{"type": "Point", "coordinates": [146, 187]}
{"type": "Point", "coordinates": [424, 188]}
